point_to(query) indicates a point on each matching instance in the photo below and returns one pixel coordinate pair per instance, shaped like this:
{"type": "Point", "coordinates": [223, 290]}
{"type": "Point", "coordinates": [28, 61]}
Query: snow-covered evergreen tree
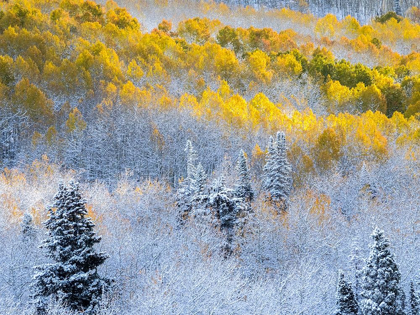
{"type": "Point", "coordinates": [188, 188]}
{"type": "Point", "coordinates": [72, 277]}
{"type": "Point", "coordinates": [401, 307]}
{"type": "Point", "coordinates": [277, 172]}
{"type": "Point", "coordinates": [381, 293]}
{"type": "Point", "coordinates": [200, 178]}
{"type": "Point", "coordinates": [224, 209]}
{"type": "Point", "coordinates": [243, 187]}
{"type": "Point", "coordinates": [244, 194]}
{"type": "Point", "coordinates": [199, 200]}
{"type": "Point", "coordinates": [191, 164]}
{"type": "Point", "coordinates": [346, 301]}
{"type": "Point", "coordinates": [414, 301]}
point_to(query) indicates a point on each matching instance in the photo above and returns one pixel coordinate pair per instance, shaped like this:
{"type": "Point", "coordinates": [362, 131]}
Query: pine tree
{"type": "Point", "coordinates": [200, 178]}
{"type": "Point", "coordinates": [72, 277]}
{"type": "Point", "coordinates": [401, 302]}
{"type": "Point", "coordinates": [243, 187]}
{"type": "Point", "coordinates": [191, 165]}
{"type": "Point", "coordinates": [346, 301]}
{"type": "Point", "coordinates": [199, 199]}
{"type": "Point", "coordinates": [381, 293]}
{"type": "Point", "coordinates": [186, 192]}
{"type": "Point", "coordinates": [244, 194]}
{"type": "Point", "coordinates": [224, 208]}
{"type": "Point", "coordinates": [277, 172]}
{"type": "Point", "coordinates": [414, 301]}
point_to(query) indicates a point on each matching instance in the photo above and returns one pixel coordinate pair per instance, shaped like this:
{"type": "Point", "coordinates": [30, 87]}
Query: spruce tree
{"type": "Point", "coordinates": [224, 208]}
{"type": "Point", "coordinates": [188, 188]}
{"type": "Point", "coordinates": [277, 173]}
{"type": "Point", "coordinates": [199, 199]}
{"type": "Point", "coordinates": [346, 301]}
{"type": "Point", "coordinates": [243, 187]}
{"type": "Point", "coordinates": [244, 194]}
{"type": "Point", "coordinates": [191, 165]}
{"type": "Point", "coordinates": [72, 277]}
{"type": "Point", "coordinates": [200, 178]}
{"type": "Point", "coordinates": [381, 293]}
{"type": "Point", "coordinates": [414, 301]}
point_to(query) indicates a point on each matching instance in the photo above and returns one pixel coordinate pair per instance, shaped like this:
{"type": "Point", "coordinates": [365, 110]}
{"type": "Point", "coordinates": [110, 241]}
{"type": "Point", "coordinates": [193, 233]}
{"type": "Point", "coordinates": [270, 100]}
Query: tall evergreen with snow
{"type": "Point", "coordinates": [186, 192]}
{"type": "Point", "coordinates": [224, 209]}
{"type": "Point", "coordinates": [346, 301]}
{"type": "Point", "coordinates": [199, 199]}
{"type": "Point", "coordinates": [191, 164]}
{"type": "Point", "coordinates": [414, 301]}
{"type": "Point", "coordinates": [72, 277]}
{"type": "Point", "coordinates": [243, 187]}
{"type": "Point", "coordinates": [244, 194]}
{"type": "Point", "coordinates": [200, 178]}
{"type": "Point", "coordinates": [381, 292]}
{"type": "Point", "coordinates": [277, 172]}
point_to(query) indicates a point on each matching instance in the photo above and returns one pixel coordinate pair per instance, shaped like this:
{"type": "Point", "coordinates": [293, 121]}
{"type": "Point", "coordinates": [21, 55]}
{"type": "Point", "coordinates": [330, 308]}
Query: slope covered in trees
{"type": "Point", "coordinates": [73, 72]}
{"type": "Point", "coordinates": [110, 93]}
{"type": "Point", "coordinates": [363, 10]}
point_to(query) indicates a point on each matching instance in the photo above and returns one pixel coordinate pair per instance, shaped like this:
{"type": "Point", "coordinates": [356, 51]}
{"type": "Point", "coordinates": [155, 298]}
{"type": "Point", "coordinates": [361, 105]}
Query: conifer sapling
{"type": "Point", "coordinates": [346, 301]}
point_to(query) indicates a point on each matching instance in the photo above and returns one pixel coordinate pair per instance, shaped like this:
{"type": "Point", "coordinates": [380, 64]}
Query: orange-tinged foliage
{"type": "Point", "coordinates": [319, 206]}
{"type": "Point", "coordinates": [75, 122]}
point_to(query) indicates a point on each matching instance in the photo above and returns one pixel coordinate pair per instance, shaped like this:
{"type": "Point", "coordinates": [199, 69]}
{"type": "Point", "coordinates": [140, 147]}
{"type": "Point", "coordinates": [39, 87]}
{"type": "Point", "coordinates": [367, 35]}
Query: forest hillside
{"type": "Point", "coordinates": [363, 10]}
{"type": "Point", "coordinates": [233, 159]}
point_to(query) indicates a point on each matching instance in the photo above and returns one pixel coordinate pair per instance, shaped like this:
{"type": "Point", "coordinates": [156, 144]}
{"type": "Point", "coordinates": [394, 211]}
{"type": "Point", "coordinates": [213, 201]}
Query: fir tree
{"type": "Point", "coordinates": [191, 165]}
{"type": "Point", "coordinates": [269, 165]}
{"type": "Point", "coordinates": [224, 208]}
{"type": "Point", "coordinates": [243, 187]}
{"type": "Point", "coordinates": [381, 293]}
{"type": "Point", "coordinates": [72, 277]}
{"type": "Point", "coordinates": [186, 192]}
{"type": "Point", "coordinates": [414, 301]}
{"type": "Point", "coordinates": [200, 178]}
{"type": "Point", "coordinates": [346, 301]}
{"type": "Point", "coordinates": [244, 194]}
{"type": "Point", "coordinates": [200, 199]}
{"type": "Point", "coordinates": [277, 172]}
